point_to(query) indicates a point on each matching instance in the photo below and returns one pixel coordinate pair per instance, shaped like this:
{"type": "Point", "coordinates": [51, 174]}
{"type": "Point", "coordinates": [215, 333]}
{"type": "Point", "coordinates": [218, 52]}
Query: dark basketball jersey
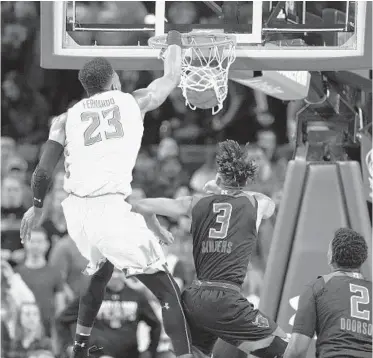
{"type": "Point", "coordinates": [224, 236]}
{"type": "Point", "coordinates": [337, 307]}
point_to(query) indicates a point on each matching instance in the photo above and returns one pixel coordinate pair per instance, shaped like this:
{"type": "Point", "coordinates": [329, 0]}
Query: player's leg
{"type": "Point", "coordinates": [130, 246]}
{"type": "Point", "coordinates": [229, 316]}
{"type": "Point", "coordinates": [89, 305]}
{"type": "Point", "coordinates": [248, 330]}
{"type": "Point", "coordinates": [165, 288]}
{"type": "Point", "coordinates": [83, 217]}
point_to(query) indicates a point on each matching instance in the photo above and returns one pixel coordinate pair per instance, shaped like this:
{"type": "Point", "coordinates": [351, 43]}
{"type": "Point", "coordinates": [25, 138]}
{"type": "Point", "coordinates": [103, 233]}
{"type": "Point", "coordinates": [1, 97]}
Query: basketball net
{"type": "Point", "coordinates": [205, 68]}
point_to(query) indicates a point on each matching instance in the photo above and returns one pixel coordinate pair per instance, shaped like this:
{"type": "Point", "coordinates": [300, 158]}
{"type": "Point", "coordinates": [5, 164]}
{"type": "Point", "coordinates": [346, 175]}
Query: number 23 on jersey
{"type": "Point", "coordinates": [111, 116]}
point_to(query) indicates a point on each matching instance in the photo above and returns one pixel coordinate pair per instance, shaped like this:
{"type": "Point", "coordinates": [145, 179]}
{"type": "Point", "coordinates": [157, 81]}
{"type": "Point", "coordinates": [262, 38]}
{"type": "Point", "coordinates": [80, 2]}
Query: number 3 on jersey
{"type": "Point", "coordinates": [224, 211]}
{"type": "Point", "coordinates": [361, 298]}
{"type": "Point", "coordinates": [111, 115]}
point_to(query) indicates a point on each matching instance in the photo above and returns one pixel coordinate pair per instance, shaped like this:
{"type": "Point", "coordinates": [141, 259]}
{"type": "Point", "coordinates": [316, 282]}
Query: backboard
{"type": "Point", "coordinates": [271, 35]}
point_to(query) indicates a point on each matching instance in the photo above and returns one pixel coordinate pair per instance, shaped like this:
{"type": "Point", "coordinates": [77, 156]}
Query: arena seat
{"type": "Point", "coordinates": [318, 199]}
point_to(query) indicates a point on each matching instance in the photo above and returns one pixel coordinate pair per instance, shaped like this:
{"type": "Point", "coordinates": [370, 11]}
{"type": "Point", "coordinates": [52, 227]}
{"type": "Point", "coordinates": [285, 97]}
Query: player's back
{"type": "Point", "coordinates": [344, 320]}
{"type": "Point", "coordinates": [103, 138]}
{"type": "Point", "coordinates": [224, 236]}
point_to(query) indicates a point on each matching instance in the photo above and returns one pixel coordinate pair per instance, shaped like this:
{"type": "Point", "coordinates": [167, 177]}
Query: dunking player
{"type": "Point", "coordinates": [337, 306]}
{"type": "Point", "coordinates": [224, 229]}
{"type": "Point", "coordinates": [101, 136]}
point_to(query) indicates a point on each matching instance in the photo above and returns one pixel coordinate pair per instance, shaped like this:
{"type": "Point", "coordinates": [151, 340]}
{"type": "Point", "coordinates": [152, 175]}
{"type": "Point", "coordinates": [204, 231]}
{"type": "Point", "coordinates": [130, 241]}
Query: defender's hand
{"type": "Point", "coordinates": [30, 219]}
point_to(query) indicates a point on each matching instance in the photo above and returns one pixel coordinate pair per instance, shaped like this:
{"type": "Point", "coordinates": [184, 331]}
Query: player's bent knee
{"type": "Point", "coordinates": [275, 350]}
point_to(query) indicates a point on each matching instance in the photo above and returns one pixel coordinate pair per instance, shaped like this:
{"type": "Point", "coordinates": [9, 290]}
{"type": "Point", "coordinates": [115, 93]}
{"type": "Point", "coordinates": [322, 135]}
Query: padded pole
{"type": "Point", "coordinates": [283, 237]}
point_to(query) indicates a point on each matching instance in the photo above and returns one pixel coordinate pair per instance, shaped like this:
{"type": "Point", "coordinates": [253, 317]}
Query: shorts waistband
{"type": "Point", "coordinates": [125, 196]}
{"type": "Point", "coordinates": [216, 284]}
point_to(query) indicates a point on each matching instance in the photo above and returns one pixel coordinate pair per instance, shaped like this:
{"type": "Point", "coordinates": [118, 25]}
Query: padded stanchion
{"type": "Point", "coordinates": [314, 205]}
{"type": "Point", "coordinates": [356, 206]}
{"type": "Point", "coordinates": [283, 236]}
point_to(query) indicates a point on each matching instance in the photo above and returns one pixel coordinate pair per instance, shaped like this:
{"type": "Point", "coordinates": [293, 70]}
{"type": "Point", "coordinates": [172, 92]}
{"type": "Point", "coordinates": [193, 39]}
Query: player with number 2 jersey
{"type": "Point", "coordinates": [225, 224]}
{"type": "Point", "coordinates": [337, 307]}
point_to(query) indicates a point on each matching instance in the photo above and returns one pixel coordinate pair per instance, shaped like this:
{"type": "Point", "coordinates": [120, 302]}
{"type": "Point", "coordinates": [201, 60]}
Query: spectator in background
{"type": "Point", "coordinates": [129, 12]}
{"type": "Point", "coordinates": [170, 177]}
{"type": "Point", "coordinates": [182, 191]}
{"type": "Point", "coordinates": [44, 280]}
{"type": "Point", "coordinates": [182, 13]}
{"type": "Point", "coordinates": [14, 293]}
{"type": "Point", "coordinates": [116, 324]}
{"type": "Point", "coordinates": [8, 149]}
{"type": "Point", "coordinates": [66, 259]}
{"type": "Point", "coordinates": [40, 353]}
{"type": "Point", "coordinates": [179, 272]}
{"type": "Point", "coordinates": [168, 147]}
{"type": "Point", "coordinates": [267, 141]}
{"type": "Point", "coordinates": [55, 224]}
{"type": "Point", "coordinates": [144, 171]}
{"type": "Point", "coordinates": [29, 332]}
{"type": "Point", "coordinates": [21, 101]}
{"type": "Point", "coordinates": [16, 167]}
{"type": "Point", "coordinates": [205, 173]}
{"type": "Point", "coordinates": [12, 210]}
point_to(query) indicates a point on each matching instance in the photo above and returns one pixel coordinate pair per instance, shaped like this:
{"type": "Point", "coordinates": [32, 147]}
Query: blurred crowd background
{"type": "Point", "coordinates": [42, 279]}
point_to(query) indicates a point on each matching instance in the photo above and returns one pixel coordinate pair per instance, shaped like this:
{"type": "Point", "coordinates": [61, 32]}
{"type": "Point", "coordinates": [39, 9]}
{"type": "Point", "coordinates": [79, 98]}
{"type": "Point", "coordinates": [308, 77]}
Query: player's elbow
{"type": "Point", "coordinates": [141, 207]}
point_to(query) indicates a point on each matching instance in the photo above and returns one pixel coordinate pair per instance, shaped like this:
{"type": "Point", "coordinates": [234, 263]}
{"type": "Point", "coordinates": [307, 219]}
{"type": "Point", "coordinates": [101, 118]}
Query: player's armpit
{"type": "Point", "coordinates": [298, 346]}
{"type": "Point", "coordinates": [157, 92]}
{"type": "Point", "coordinates": [162, 206]}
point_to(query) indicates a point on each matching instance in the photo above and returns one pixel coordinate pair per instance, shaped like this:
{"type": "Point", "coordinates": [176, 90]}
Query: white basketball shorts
{"type": "Point", "coordinates": [105, 228]}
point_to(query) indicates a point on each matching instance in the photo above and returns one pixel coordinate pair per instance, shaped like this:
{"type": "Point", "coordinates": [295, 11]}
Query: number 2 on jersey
{"type": "Point", "coordinates": [356, 300]}
{"type": "Point", "coordinates": [94, 117]}
{"type": "Point", "coordinates": [224, 211]}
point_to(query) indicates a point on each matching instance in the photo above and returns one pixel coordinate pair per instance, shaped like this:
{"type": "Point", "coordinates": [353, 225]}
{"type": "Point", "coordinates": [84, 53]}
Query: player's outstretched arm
{"type": "Point", "coordinates": [173, 208]}
{"type": "Point", "coordinates": [42, 175]}
{"type": "Point", "coordinates": [157, 92]}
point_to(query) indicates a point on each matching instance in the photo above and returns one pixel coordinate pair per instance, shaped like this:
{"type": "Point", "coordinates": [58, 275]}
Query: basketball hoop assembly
{"type": "Point", "coordinates": [205, 65]}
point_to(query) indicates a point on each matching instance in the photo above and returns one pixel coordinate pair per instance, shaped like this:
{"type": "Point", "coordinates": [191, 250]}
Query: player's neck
{"type": "Point", "coordinates": [346, 269]}
{"type": "Point", "coordinates": [228, 190]}
{"type": "Point", "coordinates": [91, 94]}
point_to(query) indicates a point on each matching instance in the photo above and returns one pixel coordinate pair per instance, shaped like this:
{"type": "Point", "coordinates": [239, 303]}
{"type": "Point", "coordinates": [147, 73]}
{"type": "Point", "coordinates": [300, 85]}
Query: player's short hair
{"type": "Point", "coordinates": [95, 75]}
{"type": "Point", "coordinates": [349, 248]}
{"type": "Point", "coordinates": [233, 165]}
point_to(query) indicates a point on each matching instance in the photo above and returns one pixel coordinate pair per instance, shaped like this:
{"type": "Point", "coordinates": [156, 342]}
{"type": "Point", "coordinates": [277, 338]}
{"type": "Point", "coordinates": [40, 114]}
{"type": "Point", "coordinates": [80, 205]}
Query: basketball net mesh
{"type": "Point", "coordinates": [205, 68]}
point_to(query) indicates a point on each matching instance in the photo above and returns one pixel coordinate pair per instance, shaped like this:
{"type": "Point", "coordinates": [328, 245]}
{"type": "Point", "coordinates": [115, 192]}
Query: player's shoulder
{"type": "Point", "coordinates": [58, 126]}
{"type": "Point", "coordinates": [59, 120]}
{"type": "Point", "coordinates": [338, 278]}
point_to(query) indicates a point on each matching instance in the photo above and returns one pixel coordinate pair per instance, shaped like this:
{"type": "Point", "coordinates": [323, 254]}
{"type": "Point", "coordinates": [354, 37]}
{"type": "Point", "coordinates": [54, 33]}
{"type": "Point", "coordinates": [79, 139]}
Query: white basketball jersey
{"type": "Point", "coordinates": [103, 138]}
